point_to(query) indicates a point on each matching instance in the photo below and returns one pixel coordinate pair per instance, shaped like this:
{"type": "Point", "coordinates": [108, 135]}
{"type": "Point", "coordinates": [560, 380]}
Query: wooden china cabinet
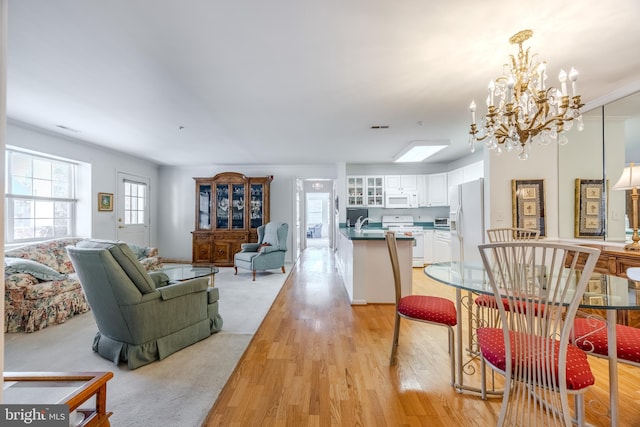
{"type": "Point", "coordinates": [229, 209]}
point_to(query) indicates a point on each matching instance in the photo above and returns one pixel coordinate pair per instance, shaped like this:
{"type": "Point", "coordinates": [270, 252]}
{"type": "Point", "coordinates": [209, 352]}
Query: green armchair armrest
{"type": "Point", "coordinates": [250, 247]}
{"type": "Point", "coordinates": [175, 290]}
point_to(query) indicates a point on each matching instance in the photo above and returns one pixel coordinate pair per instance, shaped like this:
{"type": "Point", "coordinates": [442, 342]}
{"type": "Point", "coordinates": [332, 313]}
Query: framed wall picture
{"type": "Point", "coordinates": [105, 201]}
{"type": "Point", "coordinates": [590, 208]}
{"type": "Point", "coordinates": [528, 204]}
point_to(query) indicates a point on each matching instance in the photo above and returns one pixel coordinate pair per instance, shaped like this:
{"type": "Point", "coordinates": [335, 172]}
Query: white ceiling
{"type": "Point", "coordinates": [292, 81]}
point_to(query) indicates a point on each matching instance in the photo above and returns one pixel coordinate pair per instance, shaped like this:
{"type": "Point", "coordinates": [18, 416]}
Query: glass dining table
{"type": "Point", "coordinates": [607, 293]}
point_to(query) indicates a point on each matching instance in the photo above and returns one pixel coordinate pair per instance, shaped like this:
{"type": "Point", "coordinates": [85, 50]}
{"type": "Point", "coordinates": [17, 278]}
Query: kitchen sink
{"type": "Point", "coordinates": [379, 232]}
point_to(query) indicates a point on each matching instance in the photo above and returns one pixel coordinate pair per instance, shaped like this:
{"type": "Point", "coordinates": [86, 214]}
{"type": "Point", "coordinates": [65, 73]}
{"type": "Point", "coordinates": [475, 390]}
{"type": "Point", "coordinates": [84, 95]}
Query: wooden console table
{"type": "Point", "coordinates": [70, 388]}
{"type": "Point", "coordinates": [614, 260]}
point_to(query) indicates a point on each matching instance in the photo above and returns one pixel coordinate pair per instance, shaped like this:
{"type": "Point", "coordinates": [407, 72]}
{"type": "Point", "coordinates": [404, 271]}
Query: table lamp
{"type": "Point", "coordinates": [630, 180]}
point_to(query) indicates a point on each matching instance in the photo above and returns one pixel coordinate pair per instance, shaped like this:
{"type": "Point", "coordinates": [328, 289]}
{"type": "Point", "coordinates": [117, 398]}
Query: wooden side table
{"type": "Point", "coordinates": [71, 388]}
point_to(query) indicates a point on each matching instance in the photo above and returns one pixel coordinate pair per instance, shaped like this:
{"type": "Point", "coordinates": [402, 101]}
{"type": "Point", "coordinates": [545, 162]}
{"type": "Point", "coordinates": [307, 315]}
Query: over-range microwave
{"type": "Point", "coordinates": [401, 200]}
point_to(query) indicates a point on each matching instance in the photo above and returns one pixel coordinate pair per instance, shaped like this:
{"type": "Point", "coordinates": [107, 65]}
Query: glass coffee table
{"type": "Point", "coordinates": [181, 272]}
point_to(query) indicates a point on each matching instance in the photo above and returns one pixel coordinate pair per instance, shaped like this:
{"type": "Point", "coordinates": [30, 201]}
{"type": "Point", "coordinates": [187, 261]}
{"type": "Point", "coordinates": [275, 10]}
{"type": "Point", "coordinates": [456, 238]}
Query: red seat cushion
{"type": "Point", "coordinates": [627, 338]}
{"type": "Point", "coordinates": [490, 302]}
{"type": "Point", "coordinates": [428, 308]}
{"type": "Point", "coordinates": [491, 341]}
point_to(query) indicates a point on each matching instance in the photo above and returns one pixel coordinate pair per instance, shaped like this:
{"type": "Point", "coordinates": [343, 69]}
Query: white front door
{"type": "Point", "coordinates": [133, 209]}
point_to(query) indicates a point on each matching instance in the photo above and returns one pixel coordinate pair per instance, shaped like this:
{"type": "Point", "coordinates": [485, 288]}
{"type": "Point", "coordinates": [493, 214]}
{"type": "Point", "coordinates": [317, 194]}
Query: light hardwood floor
{"type": "Point", "coordinates": [318, 361]}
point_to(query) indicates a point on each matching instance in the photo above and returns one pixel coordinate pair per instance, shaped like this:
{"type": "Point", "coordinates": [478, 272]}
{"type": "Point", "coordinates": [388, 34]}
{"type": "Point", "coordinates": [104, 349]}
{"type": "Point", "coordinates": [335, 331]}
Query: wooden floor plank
{"type": "Point", "coordinates": [318, 361]}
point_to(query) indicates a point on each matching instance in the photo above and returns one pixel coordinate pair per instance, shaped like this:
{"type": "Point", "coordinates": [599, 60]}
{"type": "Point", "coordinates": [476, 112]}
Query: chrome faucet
{"type": "Point", "coordinates": [359, 223]}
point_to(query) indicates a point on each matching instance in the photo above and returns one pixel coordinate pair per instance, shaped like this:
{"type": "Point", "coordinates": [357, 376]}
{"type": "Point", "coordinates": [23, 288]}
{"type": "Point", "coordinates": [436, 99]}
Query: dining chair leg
{"type": "Point", "coordinates": [394, 345]}
{"type": "Point", "coordinates": [579, 408]}
{"type": "Point", "coordinates": [452, 356]}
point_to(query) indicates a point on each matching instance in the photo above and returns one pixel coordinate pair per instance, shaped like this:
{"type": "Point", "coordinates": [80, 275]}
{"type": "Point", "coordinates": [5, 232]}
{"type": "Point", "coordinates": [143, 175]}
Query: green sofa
{"type": "Point", "coordinates": [141, 316]}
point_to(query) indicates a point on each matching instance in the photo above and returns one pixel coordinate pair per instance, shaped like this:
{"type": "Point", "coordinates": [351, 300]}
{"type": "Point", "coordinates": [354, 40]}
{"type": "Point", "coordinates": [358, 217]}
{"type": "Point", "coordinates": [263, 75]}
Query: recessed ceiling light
{"type": "Point", "coordinates": [418, 151]}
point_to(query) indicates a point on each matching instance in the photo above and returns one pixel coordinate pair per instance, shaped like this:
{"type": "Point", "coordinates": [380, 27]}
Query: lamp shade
{"type": "Point", "coordinates": [629, 179]}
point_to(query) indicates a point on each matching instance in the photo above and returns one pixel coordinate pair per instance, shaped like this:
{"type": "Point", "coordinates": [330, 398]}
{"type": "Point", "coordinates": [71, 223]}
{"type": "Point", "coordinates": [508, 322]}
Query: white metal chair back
{"type": "Point", "coordinates": [543, 283]}
{"type": "Point", "coordinates": [512, 234]}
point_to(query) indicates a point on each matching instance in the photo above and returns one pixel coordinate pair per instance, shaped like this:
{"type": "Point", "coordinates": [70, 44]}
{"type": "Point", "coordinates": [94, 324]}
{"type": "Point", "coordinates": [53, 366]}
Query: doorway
{"type": "Point", "coordinates": [318, 213]}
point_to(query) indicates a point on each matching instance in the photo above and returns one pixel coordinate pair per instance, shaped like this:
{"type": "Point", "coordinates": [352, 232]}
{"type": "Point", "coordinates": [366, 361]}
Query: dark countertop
{"type": "Point", "coordinates": [370, 233]}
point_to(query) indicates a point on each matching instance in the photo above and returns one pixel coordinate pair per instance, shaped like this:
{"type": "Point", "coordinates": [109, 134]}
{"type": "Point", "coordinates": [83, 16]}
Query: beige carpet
{"type": "Point", "coordinates": [177, 391]}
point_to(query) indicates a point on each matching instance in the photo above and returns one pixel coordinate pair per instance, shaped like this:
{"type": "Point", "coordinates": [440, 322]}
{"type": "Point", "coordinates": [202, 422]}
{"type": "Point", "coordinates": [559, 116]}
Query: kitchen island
{"type": "Point", "coordinates": [364, 264]}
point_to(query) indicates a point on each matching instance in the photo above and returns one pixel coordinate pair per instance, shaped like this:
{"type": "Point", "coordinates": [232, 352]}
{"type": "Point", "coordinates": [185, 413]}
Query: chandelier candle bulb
{"type": "Point", "coordinates": [472, 108]}
{"type": "Point", "coordinates": [573, 76]}
{"type": "Point", "coordinates": [563, 81]}
{"type": "Point", "coordinates": [492, 89]}
{"type": "Point", "coordinates": [541, 70]}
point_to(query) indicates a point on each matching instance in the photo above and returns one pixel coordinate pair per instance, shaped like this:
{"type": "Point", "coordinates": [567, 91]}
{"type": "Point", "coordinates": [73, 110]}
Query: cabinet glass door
{"type": "Point", "coordinates": [257, 204]}
{"type": "Point", "coordinates": [222, 206]}
{"type": "Point", "coordinates": [204, 207]}
{"type": "Point", "coordinates": [237, 205]}
{"type": "Point", "coordinates": [355, 191]}
{"type": "Point", "coordinates": [375, 191]}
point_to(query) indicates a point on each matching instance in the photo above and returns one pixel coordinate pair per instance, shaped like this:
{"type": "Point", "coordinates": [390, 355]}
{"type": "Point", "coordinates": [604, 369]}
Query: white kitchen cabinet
{"type": "Point", "coordinates": [455, 177]}
{"type": "Point", "coordinates": [428, 246]}
{"type": "Point", "coordinates": [374, 188]}
{"type": "Point", "coordinates": [355, 191]}
{"type": "Point", "coordinates": [423, 191]}
{"type": "Point", "coordinates": [438, 190]}
{"type": "Point", "coordinates": [401, 183]}
{"type": "Point", "coordinates": [473, 171]}
{"type": "Point", "coordinates": [365, 191]}
{"type": "Point", "coordinates": [441, 246]}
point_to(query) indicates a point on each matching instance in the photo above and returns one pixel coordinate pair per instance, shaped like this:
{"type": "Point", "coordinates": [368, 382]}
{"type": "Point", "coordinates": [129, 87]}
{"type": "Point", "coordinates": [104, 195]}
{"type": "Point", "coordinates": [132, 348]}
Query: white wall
{"type": "Point", "coordinates": [177, 218]}
{"type": "Point", "coordinates": [501, 169]}
{"type": "Point", "coordinates": [104, 163]}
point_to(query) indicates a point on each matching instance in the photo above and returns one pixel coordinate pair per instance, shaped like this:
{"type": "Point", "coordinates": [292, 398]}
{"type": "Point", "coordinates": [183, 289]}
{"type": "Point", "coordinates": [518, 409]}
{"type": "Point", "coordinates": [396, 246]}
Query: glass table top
{"type": "Point", "coordinates": [604, 291]}
{"type": "Point", "coordinates": [188, 271]}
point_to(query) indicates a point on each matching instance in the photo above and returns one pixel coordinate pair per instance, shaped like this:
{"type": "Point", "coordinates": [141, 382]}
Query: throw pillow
{"type": "Point", "coordinates": [139, 251]}
{"type": "Point", "coordinates": [34, 268]}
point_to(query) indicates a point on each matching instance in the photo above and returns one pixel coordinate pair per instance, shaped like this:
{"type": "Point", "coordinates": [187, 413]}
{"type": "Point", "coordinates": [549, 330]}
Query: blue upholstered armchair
{"type": "Point", "coordinates": [268, 253]}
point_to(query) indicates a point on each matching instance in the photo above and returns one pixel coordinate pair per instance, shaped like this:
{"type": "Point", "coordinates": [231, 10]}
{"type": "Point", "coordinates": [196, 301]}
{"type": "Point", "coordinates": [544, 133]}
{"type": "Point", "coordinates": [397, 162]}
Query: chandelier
{"type": "Point", "coordinates": [522, 111]}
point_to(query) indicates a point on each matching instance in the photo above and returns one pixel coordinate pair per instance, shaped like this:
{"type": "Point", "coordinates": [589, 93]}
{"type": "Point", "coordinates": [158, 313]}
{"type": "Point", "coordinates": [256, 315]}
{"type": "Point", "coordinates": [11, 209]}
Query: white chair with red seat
{"type": "Point", "coordinates": [590, 334]}
{"type": "Point", "coordinates": [532, 351]}
{"type": "Point", "coordinates": [423, 308]}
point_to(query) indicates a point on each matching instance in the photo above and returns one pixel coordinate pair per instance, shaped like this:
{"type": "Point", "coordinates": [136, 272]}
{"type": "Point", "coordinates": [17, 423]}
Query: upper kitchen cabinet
{"type": "Point", "coordinates": [374, 187]}
{"type": "Point", "coordinates": [355, 191]}
{"type": "Point", "coordinates": [365, 191]}
{"type": "Point", "coordinates": [401, 183]}
{"type": "Point", "coordinates": [437, 189]}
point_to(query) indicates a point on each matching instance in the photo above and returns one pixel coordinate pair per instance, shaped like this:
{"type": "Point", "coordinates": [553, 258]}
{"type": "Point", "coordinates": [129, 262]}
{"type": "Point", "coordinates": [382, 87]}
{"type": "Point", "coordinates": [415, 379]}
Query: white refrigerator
{"type": "Point", "coordinates": [466, 217]}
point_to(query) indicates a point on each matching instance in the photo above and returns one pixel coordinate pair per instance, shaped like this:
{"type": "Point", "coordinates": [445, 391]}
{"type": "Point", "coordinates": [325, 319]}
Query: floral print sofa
{"type": "Point", "coordinates": [41, 287]}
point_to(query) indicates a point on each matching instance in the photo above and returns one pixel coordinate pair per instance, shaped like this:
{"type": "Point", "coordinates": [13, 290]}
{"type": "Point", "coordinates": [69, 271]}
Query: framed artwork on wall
{"type": "Point", "coordinates": [590, 208]}
{"type": "Point", "coordinates": [105, 202]}
{"type": "Point", "coordinates": [528, 207]}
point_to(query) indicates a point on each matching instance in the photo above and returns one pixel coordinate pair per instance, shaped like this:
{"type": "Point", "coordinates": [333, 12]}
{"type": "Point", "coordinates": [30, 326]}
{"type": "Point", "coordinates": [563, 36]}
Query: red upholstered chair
{"type": "Point", "coordinates": [590, 334]}
{"type": "Point", "coordinates": [423, 308]}
{"type": "Point", "coordinates": [532, 350]}
{"type": "Point", "coordinates": [485, 304]}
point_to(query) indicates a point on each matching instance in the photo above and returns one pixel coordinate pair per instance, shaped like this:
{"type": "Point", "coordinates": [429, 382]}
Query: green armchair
{"type": "Point", "coordinates": [268, 253]}
{"type": "Point", "coordinates": [141, 316]}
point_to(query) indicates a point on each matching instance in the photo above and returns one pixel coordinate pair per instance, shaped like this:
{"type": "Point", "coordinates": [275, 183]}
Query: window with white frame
{"type": "Point", "coordinates": [135, 202]}
{"type": "Point", "coordinates": [40, 197]}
